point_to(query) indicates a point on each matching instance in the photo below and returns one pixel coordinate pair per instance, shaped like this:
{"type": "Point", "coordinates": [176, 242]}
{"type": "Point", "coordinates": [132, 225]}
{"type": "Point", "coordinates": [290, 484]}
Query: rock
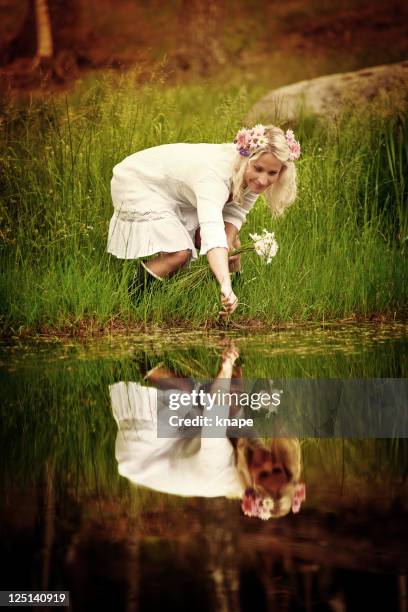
{"type": "Point", "coordinates": [327, 95]}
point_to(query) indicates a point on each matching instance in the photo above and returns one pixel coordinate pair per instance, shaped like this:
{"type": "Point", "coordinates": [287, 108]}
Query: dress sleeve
{"type": "Point", "coordinates": [211, 193]}
{"type": "Point", "coordinates": [236, 214]}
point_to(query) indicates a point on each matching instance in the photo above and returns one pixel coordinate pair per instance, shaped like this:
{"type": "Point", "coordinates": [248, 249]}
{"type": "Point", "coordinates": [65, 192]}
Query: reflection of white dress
{"type": "Point", "coordinates": [163, 194]}
{"type": "Point", "coordinates": [166, 464]}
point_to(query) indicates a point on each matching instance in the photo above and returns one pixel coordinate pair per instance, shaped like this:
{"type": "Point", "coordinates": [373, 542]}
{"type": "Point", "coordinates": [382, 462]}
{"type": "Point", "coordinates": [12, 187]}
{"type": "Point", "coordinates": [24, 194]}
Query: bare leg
{"type": "Point", "coordinates": [162, 378]}
{"type": "Point", "coordinates": [166, 264]}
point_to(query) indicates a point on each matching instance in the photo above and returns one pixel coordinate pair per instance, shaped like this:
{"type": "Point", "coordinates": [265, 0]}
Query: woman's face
{"type": "Point", "coordinates": [267, 471]}
{"type": "Point", "coordinates": [262, 173]}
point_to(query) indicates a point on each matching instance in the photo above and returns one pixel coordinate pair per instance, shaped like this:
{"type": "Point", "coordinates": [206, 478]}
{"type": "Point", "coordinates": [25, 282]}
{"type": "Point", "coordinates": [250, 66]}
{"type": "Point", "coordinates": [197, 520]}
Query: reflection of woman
{"type": "Point", "coordinates": [264, 473]}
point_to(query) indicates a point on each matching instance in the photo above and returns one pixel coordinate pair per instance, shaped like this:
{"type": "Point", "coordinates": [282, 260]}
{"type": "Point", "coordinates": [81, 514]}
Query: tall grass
{"type": "Point", "coordinates": [342, 245]}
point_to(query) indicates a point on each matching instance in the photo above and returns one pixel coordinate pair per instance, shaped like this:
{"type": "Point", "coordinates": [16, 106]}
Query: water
{"type": "Point", "coordinates": [69, 521]}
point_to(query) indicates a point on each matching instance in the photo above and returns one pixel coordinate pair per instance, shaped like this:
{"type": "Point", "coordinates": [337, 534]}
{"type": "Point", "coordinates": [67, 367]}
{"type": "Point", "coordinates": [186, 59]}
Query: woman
{"type": "Point", "coordinates": [173, 198]}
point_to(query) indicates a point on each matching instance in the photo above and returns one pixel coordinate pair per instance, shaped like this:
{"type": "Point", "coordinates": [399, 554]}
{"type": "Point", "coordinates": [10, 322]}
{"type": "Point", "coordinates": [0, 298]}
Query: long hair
{"type": "Point", "coordinates": [281, 194]}
{"type": "Point", "coordinates": [284, 450]}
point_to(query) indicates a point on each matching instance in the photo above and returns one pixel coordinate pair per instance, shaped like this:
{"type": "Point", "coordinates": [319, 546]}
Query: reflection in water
{"type": "Point", "coordinates": [264, 474]}
{"type": "Point", "coordinates": [69, 521]}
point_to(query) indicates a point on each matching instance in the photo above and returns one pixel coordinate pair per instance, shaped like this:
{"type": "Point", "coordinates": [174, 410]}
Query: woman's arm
{"type": "Point", "coordinates": [231, 232]}
{"type": "Point", "coordinates": [218, 262]}
{"type": "Point", "coordinates": [212, 193]}
{"type": "Point", "coordinates": [234, 261]}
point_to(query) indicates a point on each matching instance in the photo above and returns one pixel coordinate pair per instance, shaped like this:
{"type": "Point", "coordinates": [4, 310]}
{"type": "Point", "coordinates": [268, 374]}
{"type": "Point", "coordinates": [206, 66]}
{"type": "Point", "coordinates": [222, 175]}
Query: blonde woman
{"type": "Point", "coordinates": [171, 199]}
{"type": "Point", "coordinates": [264, 474]}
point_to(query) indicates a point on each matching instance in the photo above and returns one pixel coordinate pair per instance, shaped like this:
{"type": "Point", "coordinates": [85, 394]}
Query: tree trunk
{"type": "Point", "coordinates": [43, 29]}
{"type": "Point", "coordinates": [49, 37]}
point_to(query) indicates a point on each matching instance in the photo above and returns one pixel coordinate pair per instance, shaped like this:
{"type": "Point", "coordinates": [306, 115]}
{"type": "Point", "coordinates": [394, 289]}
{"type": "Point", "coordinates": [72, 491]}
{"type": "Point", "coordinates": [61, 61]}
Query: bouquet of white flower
{"type": "Point", "coordinates": [264, 245]}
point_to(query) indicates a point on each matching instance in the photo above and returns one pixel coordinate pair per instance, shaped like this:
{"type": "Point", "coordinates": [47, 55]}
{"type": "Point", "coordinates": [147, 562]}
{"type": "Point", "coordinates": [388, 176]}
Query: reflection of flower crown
{"type": "Point", "coordinates": [255, 505]}
{"type": "Point", "coordinates": [248, 141]}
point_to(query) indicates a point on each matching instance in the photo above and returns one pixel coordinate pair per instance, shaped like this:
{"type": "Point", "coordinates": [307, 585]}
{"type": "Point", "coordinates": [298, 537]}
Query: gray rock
{"type": "Point", "coordinates": [327, 95]}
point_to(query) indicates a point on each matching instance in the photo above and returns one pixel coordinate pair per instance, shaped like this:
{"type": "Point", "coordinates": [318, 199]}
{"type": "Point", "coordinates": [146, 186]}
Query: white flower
{"type": "Point", "coordinates": [258, 131]}
{"type": "Point", "coordinates": [264, 514]}
{"type": "Point", "coordinates": [265, 245]}
{"type": "Point", "coordinates": [267, 503]}
{"type": "Point", "coordinates": [262, 141]}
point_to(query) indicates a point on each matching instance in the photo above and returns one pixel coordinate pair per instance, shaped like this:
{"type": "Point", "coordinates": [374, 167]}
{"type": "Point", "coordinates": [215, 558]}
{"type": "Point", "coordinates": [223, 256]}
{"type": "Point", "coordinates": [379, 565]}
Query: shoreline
{"type": "Point", "coordinates": [87, 329]}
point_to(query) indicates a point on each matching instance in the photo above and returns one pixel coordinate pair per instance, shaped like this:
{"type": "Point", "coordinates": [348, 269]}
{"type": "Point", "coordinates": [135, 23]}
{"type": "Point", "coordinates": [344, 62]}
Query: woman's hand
{"type": "Point", "coordinates": [228, 359]}
{"type": "Point", "coordinates": [218, 260]}
{"type": "Point", "coordinates": [229, 300]}
{"type": "Point", "coordinates": [230, 354]}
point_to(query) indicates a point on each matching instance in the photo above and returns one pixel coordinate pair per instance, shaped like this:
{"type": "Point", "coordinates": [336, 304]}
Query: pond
{"type": "Point", "coordinates": [92, 504]}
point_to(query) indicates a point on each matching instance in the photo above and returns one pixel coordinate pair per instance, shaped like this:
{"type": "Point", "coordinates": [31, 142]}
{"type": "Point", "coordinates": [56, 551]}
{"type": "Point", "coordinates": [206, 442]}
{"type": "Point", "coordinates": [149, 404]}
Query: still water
{"type": "Point", "coordinates": [91, 504]}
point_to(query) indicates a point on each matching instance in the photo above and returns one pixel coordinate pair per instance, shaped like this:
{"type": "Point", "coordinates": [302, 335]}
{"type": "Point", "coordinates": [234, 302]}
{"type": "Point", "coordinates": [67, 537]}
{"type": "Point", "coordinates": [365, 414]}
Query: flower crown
{"type": "Point", "coordinates": [255, 505]}
{"type": "Point", "coordinates": [248, 141]}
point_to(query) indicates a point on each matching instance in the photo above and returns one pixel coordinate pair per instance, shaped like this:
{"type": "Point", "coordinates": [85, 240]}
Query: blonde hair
{"type": "Point", "coordinates": [281, 194]}
{"type": "Point", "coordinates": [284, 450]}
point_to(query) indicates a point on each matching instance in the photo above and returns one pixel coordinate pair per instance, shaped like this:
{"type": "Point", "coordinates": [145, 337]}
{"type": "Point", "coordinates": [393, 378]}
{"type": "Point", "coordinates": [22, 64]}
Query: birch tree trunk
{"type": "Point", "coordinates": [49, 38]}
{"type": "Point", "coordinates": [43, 30]}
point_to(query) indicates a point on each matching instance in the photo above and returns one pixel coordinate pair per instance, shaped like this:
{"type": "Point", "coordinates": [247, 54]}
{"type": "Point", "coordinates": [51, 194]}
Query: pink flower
{"type": "Point", "coordinates": [254, 505]}
{"type": "Point", "coordinates": [296, 503]}
{"type": "Point", "coordinates": [247, 506]}
{"type": "Point", "coordinates": [242, 139]}
{"type": "Point", "coordinates": [293, 144]}
{"type": "Point", "coordinates": [298, 497]}
{"type": "Point", "coordinates": [300, 491]}
{"type": "Point", "coordinates": [294, 151]}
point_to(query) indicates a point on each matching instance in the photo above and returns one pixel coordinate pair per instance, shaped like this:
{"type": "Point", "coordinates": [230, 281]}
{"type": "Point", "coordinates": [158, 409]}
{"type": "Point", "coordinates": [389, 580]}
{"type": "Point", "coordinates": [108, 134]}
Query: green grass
{"type": "Point", "coordinates": [342, 246]}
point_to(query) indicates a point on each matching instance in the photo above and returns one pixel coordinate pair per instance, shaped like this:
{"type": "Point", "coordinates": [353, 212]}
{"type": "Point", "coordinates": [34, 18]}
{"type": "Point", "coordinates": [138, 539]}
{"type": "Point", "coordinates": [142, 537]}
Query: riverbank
{"type": "Point", "coordinates": [342, 245]}
{"type": "Point", "coordinates": [88, 330]}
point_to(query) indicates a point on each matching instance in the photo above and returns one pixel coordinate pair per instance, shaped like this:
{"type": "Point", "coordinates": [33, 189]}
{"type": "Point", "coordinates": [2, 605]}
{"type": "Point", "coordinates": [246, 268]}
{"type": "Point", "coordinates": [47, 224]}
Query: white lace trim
{"type": "Point", "coordinates": [132, 216]}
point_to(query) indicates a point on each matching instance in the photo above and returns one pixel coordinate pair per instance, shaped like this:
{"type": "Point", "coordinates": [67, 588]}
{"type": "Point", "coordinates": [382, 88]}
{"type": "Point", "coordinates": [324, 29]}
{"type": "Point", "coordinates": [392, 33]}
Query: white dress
{"type": "Point", "coordinates": [199, 467]}
{"type": "Point", "coordinates": [163, 194]}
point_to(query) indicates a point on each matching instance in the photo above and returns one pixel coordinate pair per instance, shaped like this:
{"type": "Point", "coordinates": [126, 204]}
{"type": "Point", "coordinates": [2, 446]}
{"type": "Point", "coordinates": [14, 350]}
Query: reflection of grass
{"type": "Point", "coordinates": [341, 246]}
{"type": "Point", "coordinates": [332, 351]}
{"type": "Point", "coordinates": [356, 473]}
{"type": "Point", "coordinates": [61, 413]}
